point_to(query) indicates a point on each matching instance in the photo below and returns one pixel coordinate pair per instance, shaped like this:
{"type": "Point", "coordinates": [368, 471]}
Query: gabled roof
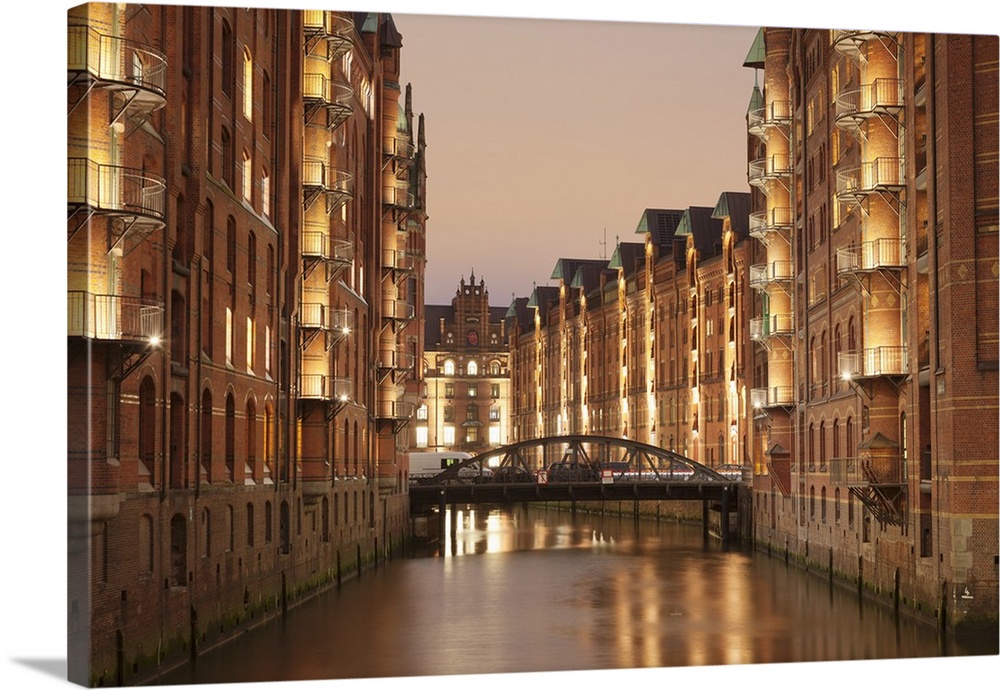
{"type": "Point", "coordinates": [756, 99]}
{"type": "Point", "coordinates": [588, 277]}
{"type": "Point", "coordinates": [877, 441]}
{"type": "Point", "coordinates": [565, 269]}
{"type": "Point", "coordinates": [707, 231]}
{"type": "Point", "coordinates": [660, 223]}
{"type": "Point", "coordinates": [736, 207]}
{"type": "Point", "coordinates": [518, 313]}
{"type": "Point", "coordinates": [433, 313]}
{"type": "Point", "coordinates": [626, 255]}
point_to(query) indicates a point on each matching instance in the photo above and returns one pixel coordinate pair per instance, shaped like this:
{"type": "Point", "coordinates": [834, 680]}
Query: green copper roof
{"type": "Point", "coordinates": [616, 258]}
{"type": "Point", "coordinates": [684, 227]}
{"type": "Point", "coordinates": [643, 227]}
{"type": "Point", "coordinates": [721, 209]}
{"type": "Point", "coordinates": [401, 124]}
{"type": "Point", "coordinates": [755, 58]}
{"type": "Point", "coordinates": [371, 22]}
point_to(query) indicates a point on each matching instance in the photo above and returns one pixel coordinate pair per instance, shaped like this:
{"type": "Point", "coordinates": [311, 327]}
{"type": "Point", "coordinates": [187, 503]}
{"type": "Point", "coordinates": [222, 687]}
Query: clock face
{"type": "Point", "coordinates": [472, 338]}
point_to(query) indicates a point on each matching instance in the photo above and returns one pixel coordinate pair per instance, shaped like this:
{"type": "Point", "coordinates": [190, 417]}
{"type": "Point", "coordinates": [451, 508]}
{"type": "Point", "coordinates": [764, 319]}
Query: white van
{"type": "Point", "coordinates": [429, 464]}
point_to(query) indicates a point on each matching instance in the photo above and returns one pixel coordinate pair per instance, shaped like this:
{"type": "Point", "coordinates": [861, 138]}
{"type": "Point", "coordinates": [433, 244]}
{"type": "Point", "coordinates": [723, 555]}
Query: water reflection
{"type": "Point", "coordinates": [533, 590]}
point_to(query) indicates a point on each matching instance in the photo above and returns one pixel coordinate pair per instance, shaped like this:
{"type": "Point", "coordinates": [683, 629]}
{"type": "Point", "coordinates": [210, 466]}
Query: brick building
{"type": "Point", "coordinates": [466, 374]}
{"type": "Point", "coordinates": [835, 329]}
{"type": "Point", "coordinates": [245, 243]}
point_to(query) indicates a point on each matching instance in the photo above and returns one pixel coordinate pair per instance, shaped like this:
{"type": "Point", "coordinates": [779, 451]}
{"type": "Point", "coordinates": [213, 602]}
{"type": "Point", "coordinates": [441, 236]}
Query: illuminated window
{"type": "Point", "coordinates": [421, 437]}
{"type": "Point", "coordinates": [472, 369]}
{"type": "Point", "coordinates": [249, 345]}
{"type": "Point", "coordinates": [247, 84]}
{"type": "Point", "coordinates": [449, 435]}
{"type": "Point", "coordinates": [422, 412]}
{"type": "Point", "coordinates": [267, 350]}
{"type": "Point", "coordinates": [495, 435]}
{"type": "Point", "coordinates": [449, 367]}
{"type": "Point", "coordinates": [247, 176]}
{"type": "Point", "coordinates": [229, 336]}
{"type": "Point", "coordinates": [265, 194]}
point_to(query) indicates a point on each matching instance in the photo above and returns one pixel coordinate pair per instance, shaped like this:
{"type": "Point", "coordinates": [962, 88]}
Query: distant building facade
{"type": "Point", "coordinates": [466, 375]}
{"type": "Point", "coordinates": [245, 245]}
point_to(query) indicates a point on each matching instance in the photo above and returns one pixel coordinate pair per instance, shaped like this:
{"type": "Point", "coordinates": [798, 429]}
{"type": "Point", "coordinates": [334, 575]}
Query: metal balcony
{"type": "Point", "coordinates": [394, 409]}
{"type": "Point", "coordinates": [399, 148]}
{"type": "Point", "coordinates": [397, 360]}
{"type": "Point", "coordinates": [880, 176]}
{"type": "Point", "coordinates": [872, 362]}
{"type": "Point", "coordinates": [762, 171]}
{"type": "Point", "coordinates": [397, 260]}
{"type": "Point", "coordinates": [764, 224]}
{"type": "Point", "coordinates": [774, 396]}
{"type": "Point", "coordinates": [319, 177]}
{"type": "Point", "coordinates": [774, 325]}
{"type": "Point", "coordinates": [397, 197]}
{"type": "Point", "coordinates": [763, 276]}
{"type": "Point", "coordinates": [885, 253]}
{"type": "Point", "coordinates": [319, 91]}
{"type": "Point", "coordinates": [881, 97]}
{"type": "Point", "coordinates": [323, 25]}
{"type": "Point", "coordinates": [137, 72]}
{"type": "Point", "coordinates": [851, 43]}
{"type": "Point", "coordinates": [318, 244]}
{"type": "Point", "coordinates": [323, 387]}
{"type": "Point", "coordinates": [397, 310]}
{"type": "Point", "coordinates": [760, 121]}
{"type": "Point", "coordinates": [114, 318]}
{"type": "Point", "coordinates": [131, 194]}
{"type": "Point", "coordinates": [876, 477]}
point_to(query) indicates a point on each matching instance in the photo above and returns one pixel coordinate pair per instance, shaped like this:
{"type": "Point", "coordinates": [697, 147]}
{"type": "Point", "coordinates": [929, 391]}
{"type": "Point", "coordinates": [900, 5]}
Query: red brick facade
{"type": "Point", "coordinates": [246, 212]}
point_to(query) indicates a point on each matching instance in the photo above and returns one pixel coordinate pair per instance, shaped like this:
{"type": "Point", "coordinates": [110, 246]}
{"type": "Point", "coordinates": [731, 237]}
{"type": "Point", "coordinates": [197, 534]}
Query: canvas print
{"type": "Point", "coordinates": [411, 345]}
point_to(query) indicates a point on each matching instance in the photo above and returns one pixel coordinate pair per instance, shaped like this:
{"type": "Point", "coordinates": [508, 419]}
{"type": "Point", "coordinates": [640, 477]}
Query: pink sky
{"type": "Point", "coordinates": [543, 134]}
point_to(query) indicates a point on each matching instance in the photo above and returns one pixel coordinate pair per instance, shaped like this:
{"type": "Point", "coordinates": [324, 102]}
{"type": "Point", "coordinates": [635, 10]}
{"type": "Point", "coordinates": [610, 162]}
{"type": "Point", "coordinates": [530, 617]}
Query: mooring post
{"type": "Point", "coordinates": [704, 520]}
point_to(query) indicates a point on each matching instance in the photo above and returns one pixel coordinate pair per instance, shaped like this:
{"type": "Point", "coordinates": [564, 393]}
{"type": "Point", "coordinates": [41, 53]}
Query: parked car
{"type": "Point", "coordinates": [512, 475]}
{"type": "Point", "coordinates": [571, 471]}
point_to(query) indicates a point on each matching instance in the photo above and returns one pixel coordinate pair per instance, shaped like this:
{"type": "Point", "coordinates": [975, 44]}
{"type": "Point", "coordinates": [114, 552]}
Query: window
{"type": "Point", "coordinates": [495, 435]}
{"type": "Point", "coordinates": [250, 345]}
{"type": "Point", "coordinates": [229, 336]}
{"type": "Point", "coordinates": [227, 59]}
{"type": "Point", "coordinates": [247, 84]}
{"type": "Point", "coordinates": [472, 435]}
{"type": "Point", "coordinates": [252, 263]}
{"type": "Point", "coordinates": [231, 245]}
{"type": "Point", "coordinates": [494, 414]}
{"type": "Point", "coordinates": [471, 412]}
{"type": "Point", "coordinates": [449, 367]}
{"type": "Point", "coordinates": [472, 391]}
{"type": "Point", "coordinates": [449, 390]}
{"type": "Point", "coordinates": [230, 433]}
{"type": "Point", "coordinates": [265, 194]}
{"type": "Point", "coordinates": [449, 414]}
{"type": "Point", "coordinates": [422, 437]}
{"type": "Point", "coordinates": [472, 369]}
{"type": "Point", "coordinates": [265, 87]}
{"type": "Point", "coordinates": [422, 412]}
{"type": "Point", "coordinates": [228, 158]}
{"type": "Point", "coordinates": [247, 176]}
{"type": "Point", "coordinates": [267, 350]}
{"type": "Point", "coordinates": [449, 435]}
{"type": "Point", "coordinates": [495, 390]}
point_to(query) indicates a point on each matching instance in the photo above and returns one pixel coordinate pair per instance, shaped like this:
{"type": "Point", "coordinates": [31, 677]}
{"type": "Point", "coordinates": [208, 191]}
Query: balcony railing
{"type": "Point", "coordinates": [776, 113]}
{"type": "Point", "coordinates": [115, 59]}
{"type": "Point", "coordinates": [318, 243]}
{"type": "Point", "coordinates": [397, 310]}
{"type": "Point", "coordinates": [115, 189]}
{"type": "Point", "coordinates": [774, 396]}
{"type": "Point", "coordinates": [762, 170]}
{"type": "Point", "coordinates": [397, 147]}
{"type": "Point", "coordinates": [763, 223]}
{"type": "Point", "coordinates": [333, 95]}
{"type": "Point", "coordinates": [870, 470]}
{"type": "Point", "coordinates": [885, 360]}
{"type": "Point", "coordinates": [398, 197]}
{"type": "Point", "coordinates": [850, 42]}
{"type": "Point", "coordinates": [319, 173]}
{"type": "Point", "coordinates": [334, 28]}
{"type": "Point", "coordinates": [772, 325]}
{"type": "Point", "coordinates": [397, 259]}
{"type": "Point", "coordinates": [883, 95]}
{"type": "Point", "coordinates": [881, 174]}
{"type": "Point", "coordinates": [762, 275]}
{"type": "Point", "coordinates": [394, 409]}
{"type": "Point", "coordinates": [400, 360]}
{"type": "Point", "coordinates": [871, 256]}
{"type": "Point", "coordinates": [113, 317]}
{"type": "Point", "coordinates": [323, 387]}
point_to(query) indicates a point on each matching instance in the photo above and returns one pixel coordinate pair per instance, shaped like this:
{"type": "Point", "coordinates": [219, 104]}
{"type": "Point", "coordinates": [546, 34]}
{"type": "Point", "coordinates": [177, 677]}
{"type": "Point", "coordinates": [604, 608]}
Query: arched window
{"type": "Point", "coordinates": [494, 368]}
{"type": "Point", "coordinates": [230, 433]}
{"type": "Point", "coordinates": [206, 534]}
{"type": "Point", "coordinates": [822, 504]}
{"type": "Point", "coordinates": [251, 436]}
{"type": "Point", "coordinates": [268, 439]}
{"type": "Point", "coordinates": [247, 84]}
{"type": "Point", "coordinates": [250, 525]}
{"type": "Point", "coordinates": [206, 434]}
{"type": "Point", "coordinates": [228, 159]}
{"type": "Point", "coordinates": [178, 551]}
{"type": "Point", "coordinates": [247, 176]}
{"type": "Point", "coordinates": [472, 368]}
{"type": "Point", "coordinates": [147, 429]}
{"type": "Point", "coordinates": [449, 367]}
{"type": "Point", "coordinates": [227, 59]}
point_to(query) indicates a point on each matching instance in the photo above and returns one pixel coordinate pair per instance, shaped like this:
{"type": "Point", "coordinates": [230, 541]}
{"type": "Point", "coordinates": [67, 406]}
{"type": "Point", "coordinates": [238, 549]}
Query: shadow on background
{"type": "Point", "coordinates": [52, 667]}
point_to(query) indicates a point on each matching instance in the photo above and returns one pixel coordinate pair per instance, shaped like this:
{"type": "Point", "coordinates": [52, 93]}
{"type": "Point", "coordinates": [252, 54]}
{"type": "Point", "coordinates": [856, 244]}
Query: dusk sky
{"type": "Point", "coordinates": [544, 134]}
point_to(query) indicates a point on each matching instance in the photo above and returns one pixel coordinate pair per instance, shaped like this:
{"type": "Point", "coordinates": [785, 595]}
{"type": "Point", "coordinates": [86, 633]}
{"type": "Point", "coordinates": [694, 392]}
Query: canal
{"type": "Point", "coordinates": [528, 589]}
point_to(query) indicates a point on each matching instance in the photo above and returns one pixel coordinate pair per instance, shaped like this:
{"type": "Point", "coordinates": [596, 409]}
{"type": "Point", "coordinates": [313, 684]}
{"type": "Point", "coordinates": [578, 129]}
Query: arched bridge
{"type": "Point", "coordinates": [575, 468]}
